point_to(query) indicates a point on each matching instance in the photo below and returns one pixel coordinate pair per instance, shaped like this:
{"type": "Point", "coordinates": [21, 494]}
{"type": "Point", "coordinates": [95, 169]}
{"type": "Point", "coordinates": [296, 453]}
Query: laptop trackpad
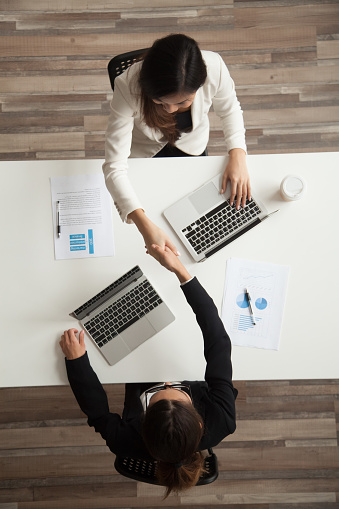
{"type": "Point", "coordinates": [138, 333]}
{"type": "Point", "coordinates": [205, 198]}
{"type": "Point", "coordinates": [115, 350]}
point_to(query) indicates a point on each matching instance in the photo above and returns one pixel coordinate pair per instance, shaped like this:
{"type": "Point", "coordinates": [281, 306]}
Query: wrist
{"type": "Point", "coordinates": [236, 153]}
{"type": "Point", "coordinates": [75, 356]}
{"type": "Point", "coordinates": [182, 274]}
{"type": "Point", "coordinates": [141, 221]}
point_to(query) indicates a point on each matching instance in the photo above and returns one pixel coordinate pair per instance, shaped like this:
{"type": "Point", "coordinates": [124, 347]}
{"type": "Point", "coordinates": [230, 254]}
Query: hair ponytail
{"type": "Point", "coordinates": [178, 478]}
{"type": "Point", "coordinates": [172, 431]}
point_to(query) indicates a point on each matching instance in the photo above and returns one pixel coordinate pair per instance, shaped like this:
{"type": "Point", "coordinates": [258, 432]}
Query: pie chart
{"type": "Point", "coordinates": [261, 303]}
{"type": "Point", "coordinates": [242, 301]}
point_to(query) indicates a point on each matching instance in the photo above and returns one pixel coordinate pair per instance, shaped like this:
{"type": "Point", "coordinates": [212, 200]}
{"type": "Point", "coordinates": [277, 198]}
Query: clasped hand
{"type": "Point", "coordinates": [170, 261]}
{"type": "Point", "coordinates": [155, 235]}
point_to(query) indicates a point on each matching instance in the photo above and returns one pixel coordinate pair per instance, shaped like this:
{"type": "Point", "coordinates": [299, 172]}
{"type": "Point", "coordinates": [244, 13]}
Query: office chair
{"type": "Point", "coordinates": [120, 63]}
{"type": "Point", "coordinates": [145, 471]}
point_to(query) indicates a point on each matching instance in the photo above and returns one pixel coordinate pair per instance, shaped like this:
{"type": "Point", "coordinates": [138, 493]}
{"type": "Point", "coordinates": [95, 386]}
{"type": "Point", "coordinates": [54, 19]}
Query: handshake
{"type": "Point", "coordinates": [170, 261]}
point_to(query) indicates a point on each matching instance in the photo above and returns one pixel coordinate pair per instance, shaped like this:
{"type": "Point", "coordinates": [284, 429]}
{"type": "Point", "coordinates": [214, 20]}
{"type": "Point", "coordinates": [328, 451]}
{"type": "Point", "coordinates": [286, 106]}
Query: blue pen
{"type": "Point", "coordinates": [250, 305]}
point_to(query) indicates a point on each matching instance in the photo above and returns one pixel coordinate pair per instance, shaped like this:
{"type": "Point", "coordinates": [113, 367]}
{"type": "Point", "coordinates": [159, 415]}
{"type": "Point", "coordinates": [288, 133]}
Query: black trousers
{"type": "Point", "coordinates": [171, 151]}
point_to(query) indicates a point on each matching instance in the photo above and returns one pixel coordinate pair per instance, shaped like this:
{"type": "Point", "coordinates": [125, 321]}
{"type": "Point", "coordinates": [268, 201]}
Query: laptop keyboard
{"type": "Point", "coordinates": [90, 304]}
{"type": "Point", "coordinates": [218, 224]}
{"type": "Point", "coordinates": [122, 313]}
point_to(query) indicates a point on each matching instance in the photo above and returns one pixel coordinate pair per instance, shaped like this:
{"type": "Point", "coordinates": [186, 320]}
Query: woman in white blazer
{"type": "Point", "coordinates": [160, 108]}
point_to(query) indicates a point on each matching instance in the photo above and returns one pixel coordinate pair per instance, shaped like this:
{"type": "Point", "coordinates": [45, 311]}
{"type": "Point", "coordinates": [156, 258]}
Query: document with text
{"type": "Point", "coordinates": [82, 217]}
{"type": "Point", "coordinates": [253, 304]}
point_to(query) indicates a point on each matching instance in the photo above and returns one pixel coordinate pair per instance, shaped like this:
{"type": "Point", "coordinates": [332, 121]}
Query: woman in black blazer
{"type": "Point", "coordinates": [180, 421]}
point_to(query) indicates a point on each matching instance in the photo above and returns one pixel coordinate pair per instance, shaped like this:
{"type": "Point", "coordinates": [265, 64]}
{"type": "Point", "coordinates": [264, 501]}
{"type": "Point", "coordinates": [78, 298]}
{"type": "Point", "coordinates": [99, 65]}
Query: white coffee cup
{"type": "Point", "coordinates": [292, 188]}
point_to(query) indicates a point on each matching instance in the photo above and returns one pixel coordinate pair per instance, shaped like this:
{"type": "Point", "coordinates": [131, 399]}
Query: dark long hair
{"type": "Point", "coordinates": [173, 65]}
{"type": "Point", "coordinates": [172, 431]}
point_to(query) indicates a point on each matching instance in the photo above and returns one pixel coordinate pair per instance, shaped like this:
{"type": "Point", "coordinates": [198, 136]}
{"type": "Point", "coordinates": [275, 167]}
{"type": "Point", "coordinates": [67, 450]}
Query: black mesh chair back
{"type": "Point", "coordinates": [120, 63]}
{"type": "Point", "coordinates": [145, 471]}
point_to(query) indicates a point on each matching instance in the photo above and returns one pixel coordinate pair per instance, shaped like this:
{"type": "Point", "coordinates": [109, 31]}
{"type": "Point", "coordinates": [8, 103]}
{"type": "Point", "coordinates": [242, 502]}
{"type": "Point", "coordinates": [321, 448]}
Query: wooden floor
{"type": "Point", "coordinates": [283, 455]}
{"type": "Point", "coordinates": [55, 92]}
{"type": "Point", "coordinates": [54, 102]}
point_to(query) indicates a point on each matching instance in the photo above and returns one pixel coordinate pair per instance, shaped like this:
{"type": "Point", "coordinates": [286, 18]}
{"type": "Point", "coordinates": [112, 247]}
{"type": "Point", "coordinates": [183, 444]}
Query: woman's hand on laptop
{"type": "Point", "coordinates": [72, 347]}
{"type": "Point", "coordinates": [170, 261]}
{"type": "Point", "coordinates": [237, 174]}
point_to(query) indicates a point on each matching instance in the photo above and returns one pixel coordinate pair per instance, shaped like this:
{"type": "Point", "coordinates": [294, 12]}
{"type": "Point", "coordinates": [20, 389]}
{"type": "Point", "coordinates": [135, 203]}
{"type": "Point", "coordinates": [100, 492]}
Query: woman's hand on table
{"type": "Point", "coordinates": [237, 174]}
{"type": "Point", "coordinates": [72, 347]}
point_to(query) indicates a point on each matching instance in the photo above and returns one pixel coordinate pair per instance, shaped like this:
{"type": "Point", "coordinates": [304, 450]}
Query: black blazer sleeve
{"type": "Point", "coordinates": [220, 404]}
{"type": "Point", "coordinates": [123, 438]}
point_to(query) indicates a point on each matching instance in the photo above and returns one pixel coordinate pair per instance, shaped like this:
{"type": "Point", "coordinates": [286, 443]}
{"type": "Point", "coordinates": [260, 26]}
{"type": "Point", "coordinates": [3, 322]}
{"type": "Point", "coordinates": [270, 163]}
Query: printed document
{"type": "Point", "coordinates": [266, 284]}
{"type": "Point", "coordinates": [82, 206]}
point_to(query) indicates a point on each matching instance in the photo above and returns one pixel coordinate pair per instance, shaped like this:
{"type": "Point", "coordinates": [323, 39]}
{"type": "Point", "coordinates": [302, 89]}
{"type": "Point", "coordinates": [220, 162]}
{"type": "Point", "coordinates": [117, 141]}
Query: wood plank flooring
{"type": "Point", "coordinates": [283, 455]}
{"type": "Point", "coordinates": [55, 92]}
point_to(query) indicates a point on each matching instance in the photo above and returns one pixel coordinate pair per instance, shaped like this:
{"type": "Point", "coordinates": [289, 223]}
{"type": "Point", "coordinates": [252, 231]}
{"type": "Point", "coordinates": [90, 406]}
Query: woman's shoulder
{"type": "Point", "coordinates": [215, 67]}
{"type": "Point", "coordinates": [212, 58]}
{"type": "Point", "coordinates": [129, 79]}
{"type": "Point", "coordinates": [126, 88]}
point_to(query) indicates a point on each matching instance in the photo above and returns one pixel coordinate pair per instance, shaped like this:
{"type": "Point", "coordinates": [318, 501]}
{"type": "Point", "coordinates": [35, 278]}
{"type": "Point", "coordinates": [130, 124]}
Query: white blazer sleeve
{"type": "Point", "coordinates": [228, 109]}
{"type": "Point", "coordinates": [118, 149]}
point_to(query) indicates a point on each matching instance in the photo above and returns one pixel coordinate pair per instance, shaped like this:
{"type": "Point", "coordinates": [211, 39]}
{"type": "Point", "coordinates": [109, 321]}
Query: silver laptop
{"type": "Point", "coordinates": [124, 315]}
{"type": "Point", "coordinates": [205, 221]}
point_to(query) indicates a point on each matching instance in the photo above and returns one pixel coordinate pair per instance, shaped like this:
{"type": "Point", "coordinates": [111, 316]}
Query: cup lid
{"type": "Point", "coordinates": [293, 187]}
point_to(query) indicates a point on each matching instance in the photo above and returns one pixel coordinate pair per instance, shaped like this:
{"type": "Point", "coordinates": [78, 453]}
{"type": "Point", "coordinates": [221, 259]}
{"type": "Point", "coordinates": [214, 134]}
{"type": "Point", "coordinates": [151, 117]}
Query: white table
{"type": "Point", "coordinates": [38, 293]}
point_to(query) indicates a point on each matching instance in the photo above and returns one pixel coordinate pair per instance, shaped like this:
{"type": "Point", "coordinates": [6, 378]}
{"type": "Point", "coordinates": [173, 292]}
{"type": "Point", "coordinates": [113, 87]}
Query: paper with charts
{"type": "Point", "coordinates": [85, 217]}
{"type": "Point", "coordinates": [266, 284]}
